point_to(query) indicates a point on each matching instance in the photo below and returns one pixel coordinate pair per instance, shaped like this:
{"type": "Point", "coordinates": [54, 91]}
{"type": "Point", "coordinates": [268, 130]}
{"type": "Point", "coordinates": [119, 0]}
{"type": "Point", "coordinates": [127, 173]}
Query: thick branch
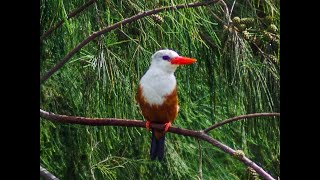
{"type": "Point", "coordinates": [70, 15]}
{"type": "Point", "coordinates": [116, 25]}
{"type": "Point", "coordinates": [46, 174]}
{"type": "Point", "coordinates": [138, 123]}
{"type": "Point", "coordinates": [237, 118]}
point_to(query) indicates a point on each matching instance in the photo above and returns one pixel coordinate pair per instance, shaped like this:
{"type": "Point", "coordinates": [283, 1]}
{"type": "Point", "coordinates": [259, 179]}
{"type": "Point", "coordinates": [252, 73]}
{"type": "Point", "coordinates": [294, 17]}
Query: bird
{"type": "Point", "coordinates": [157, 96]}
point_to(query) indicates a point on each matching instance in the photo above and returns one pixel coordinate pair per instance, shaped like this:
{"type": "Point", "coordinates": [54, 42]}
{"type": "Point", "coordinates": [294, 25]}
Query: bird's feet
{"type": "Point", "coordinates": [148, 125]}
{"type": "Point", "coordinates": [166, 126]}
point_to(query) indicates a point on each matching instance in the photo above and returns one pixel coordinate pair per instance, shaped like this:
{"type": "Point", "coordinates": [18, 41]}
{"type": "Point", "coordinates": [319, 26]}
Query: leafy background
{"type": "Point", "coordinates": [238, 72]}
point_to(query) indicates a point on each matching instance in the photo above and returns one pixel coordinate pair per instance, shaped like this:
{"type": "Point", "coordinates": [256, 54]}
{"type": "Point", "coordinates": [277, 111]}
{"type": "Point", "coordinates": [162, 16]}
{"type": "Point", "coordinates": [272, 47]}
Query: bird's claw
{"type": "Point", "coordinates": [166, 126]}
{"type": "Point", "coordinates": [148, 125]}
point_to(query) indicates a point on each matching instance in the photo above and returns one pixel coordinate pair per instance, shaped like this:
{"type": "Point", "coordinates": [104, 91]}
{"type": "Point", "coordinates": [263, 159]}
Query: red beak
{"type": "Point", "coordinates": [180, 60]}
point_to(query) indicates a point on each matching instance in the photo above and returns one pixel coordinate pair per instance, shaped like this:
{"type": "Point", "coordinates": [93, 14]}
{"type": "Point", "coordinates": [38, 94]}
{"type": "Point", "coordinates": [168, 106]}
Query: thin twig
{"type": "Point", "coordinates": [265, 55]}
{"type": "Point", "coordinates": [200, 161]}
{"type": "Point", "coordinates": [237, 118]}
{"type": "Point", "coordinates": [46, 174]}
{"type": "Point", "coordinates": [234, 2]}
{"type": "Point", "coordinates": [139, 123]}
{"type": "Point", "coordinates": [70, 15]}
{"type": "Point", "coordinates": [207, 40]}
{"type": "Point", "coordinates": [226, 11]}
{"type": "Point", "coordinates": [231, 151]}
{"type": "Point", "coordinates": [218, 18]}
{"type": "Point", "coordinates": [116, 25]}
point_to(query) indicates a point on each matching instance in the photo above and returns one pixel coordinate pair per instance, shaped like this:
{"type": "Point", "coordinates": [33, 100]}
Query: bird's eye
{"type": "Point", "coordinates": [165, 57]}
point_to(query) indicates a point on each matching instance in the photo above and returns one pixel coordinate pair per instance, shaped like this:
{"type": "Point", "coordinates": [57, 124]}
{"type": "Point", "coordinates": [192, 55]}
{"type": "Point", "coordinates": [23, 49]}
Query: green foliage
{"type": "Point", "coordinates": [232, 77]}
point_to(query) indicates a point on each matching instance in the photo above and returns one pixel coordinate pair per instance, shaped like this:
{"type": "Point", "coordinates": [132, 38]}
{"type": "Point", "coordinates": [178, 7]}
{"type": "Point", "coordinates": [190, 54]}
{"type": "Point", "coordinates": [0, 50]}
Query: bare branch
{"type": "Point", "coordinates": [139, 123]}
{"type": "Point", "coordinates": [116, 25]}
{"type": "Point", "coordinates": [70, 15]}
{"type": "Point", "coordinates": [243, 159]}
{"type": "Point", "coordinates": [237, 118]}
{"type": "Point", "coordinates": [46, 174]}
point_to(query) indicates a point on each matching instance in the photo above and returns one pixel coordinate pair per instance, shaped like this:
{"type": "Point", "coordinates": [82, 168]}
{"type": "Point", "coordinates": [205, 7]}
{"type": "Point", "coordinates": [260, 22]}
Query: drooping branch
{"type": "Point", "coordinates": [139, 123]}
{"type": "Point", "coordinates": [70, 15]}
{"type": "Point", "coordinates": [237, 118]}
{"type": "Point", "coordinates": [117, 25]}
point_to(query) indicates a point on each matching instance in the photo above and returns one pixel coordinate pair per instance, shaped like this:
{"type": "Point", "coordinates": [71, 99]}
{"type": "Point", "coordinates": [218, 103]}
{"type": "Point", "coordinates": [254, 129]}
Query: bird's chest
{"type": "Point", "coordinates": [158, 99]}
{"type": "Point", "coordinates": [155, 89]}
{"type": "Point", "coordinates": [160, 113]}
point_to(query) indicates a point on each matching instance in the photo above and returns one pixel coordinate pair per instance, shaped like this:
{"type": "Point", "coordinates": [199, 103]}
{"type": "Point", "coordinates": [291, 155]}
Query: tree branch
{"type": "Point", "coordinates": [237, 118]}
{"type": "Point", "coordinates": [70, 15]}
{"type": "Point", "coordinates": [46, 174]}
{"type": "Point", "coordinates": [139, 123]}
{"type": "Point", "coordinates": [116, 25]}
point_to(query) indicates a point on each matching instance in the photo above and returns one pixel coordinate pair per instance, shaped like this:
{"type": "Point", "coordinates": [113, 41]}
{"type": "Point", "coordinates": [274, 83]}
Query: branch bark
{"type": "Point", "coordinates": [139, 123]}
{"type": "Point", "coordinates": [70, 15]}
{"type": "Point", "coordinates": [116, 25]}
{"type": "Point", "coordinates": [237, 118]}
{"type": "Point", "coordinates": [46, 174]}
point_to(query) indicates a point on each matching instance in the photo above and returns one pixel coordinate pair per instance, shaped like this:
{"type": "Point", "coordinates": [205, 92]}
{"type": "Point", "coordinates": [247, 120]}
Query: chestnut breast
{"type": "Point", "coordinates": [159, 113]}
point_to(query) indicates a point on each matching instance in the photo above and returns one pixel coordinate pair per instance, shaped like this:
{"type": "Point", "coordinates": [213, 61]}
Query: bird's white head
{"type": "Point", "coordinates": [168, 60]}
{"type": "Point", "coordinates": [159, 80]}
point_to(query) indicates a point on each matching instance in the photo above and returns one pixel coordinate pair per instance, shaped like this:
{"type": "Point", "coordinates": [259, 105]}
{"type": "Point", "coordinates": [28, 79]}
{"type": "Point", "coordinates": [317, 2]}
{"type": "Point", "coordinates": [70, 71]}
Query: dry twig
{"type": "Point", "coordinates": [237, 118]}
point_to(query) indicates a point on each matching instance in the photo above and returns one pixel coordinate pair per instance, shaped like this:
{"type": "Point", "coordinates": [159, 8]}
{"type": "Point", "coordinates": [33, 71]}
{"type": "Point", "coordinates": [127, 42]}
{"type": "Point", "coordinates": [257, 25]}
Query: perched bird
{"type": "Point", "coordinates": [157, 95]}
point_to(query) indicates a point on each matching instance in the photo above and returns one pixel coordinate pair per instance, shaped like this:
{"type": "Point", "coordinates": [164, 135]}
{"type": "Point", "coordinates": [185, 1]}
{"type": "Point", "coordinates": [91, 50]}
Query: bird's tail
{"type": "Point", "coordinates": [157, 145]}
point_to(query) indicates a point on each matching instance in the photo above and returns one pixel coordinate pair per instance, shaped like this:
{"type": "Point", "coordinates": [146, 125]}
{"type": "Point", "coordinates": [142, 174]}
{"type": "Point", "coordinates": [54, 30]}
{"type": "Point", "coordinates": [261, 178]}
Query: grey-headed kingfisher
{"type": "Point", "coordinates": [157, 95]}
